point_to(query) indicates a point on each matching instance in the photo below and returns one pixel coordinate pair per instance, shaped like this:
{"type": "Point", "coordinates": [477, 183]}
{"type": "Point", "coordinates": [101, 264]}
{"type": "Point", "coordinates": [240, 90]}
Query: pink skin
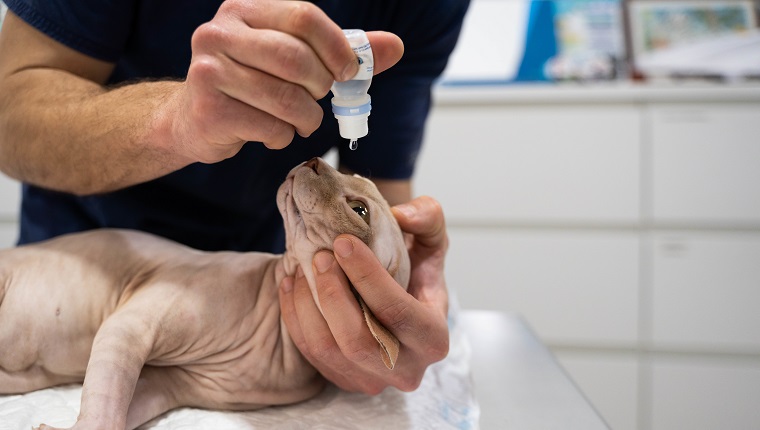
{"type": "Point", "coordinates": [150, 325]}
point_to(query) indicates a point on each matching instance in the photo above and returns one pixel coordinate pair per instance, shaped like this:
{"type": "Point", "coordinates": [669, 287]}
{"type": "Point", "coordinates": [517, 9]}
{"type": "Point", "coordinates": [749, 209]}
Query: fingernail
{"type": "Point", "coordinates": [322, 261]}
{"type": "Point", "coordinates": [287, 285]}
{"type": "Point", "coordinates": [409, 211]}
{"type": "Point", "coordinates": [343, 247]}
{"type": "Point", "coordinates": [350, 70]}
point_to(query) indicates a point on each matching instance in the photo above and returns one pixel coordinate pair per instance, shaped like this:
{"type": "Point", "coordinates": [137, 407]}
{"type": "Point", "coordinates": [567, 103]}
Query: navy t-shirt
{"type": "Point", "coordinates": [231, 205]}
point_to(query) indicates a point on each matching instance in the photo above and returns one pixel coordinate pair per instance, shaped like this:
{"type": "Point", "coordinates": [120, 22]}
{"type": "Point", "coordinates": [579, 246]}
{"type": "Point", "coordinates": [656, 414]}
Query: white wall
{"type": "Point", "coordinates": [10, 198]}
{"type": "Point", "coordinates": [3, 11]}
{"type": "Point", "coordinates": [9, 192]}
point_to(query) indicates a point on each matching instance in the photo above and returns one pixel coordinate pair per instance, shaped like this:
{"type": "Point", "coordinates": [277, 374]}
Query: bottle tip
{"type": "Point", "coordinates": [353, 144]}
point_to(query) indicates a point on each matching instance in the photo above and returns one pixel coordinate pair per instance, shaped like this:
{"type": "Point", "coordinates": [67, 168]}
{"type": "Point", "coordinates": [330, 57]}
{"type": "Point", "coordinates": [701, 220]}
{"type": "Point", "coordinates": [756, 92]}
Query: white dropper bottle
{"type": "Point", "coordinates": [351, 103]}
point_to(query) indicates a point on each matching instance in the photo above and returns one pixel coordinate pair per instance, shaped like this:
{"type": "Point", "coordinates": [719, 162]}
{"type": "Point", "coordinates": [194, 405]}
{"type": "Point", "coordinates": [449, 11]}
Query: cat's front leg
{"type": "Point", "coordinates": [119, 351]}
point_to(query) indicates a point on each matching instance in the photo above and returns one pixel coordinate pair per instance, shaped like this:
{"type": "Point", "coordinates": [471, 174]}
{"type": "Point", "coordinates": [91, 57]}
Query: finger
{"type": "Point", "coordinates": [221, 118]}
{"type": "Point", "coordinates": [387, 49]}
{"type": "Point", "coordinates": [318, 340]}
{"type": "Point", "coordinates": [306, 22]}
{"type": "Point", "coordinates": [281, 99]}
{"type": "Point", "coordinates": [276, 53]}
{"type": "Point", "coordinates": [243, 64]}
{"type": "Point", "coordinates": [423, 217]}
{"type": "Point", "coordinates": [397, 310]}
{"type": "Point", "coordinates": [343, 315]}
{"type": "Point", "coordinates": [320, 348]}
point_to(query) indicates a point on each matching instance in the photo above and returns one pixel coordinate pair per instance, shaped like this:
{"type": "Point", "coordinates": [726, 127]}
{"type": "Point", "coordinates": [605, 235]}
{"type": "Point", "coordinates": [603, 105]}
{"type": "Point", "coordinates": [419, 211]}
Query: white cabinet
{"type": "Point", "coordinates": [533, 163]}
{"type": "Point", "coordinates": [573, 287]}
{"type": "Point", "coordinates": [705, 394]}
{"type": "Point", "coordinates": [623, 223]}
{"type": "Point", "coordinates": [706, 291]}
{"type": "Point", "coordinates": [610, 380]}
{"type": "Point", "coordinates": [706, 163]}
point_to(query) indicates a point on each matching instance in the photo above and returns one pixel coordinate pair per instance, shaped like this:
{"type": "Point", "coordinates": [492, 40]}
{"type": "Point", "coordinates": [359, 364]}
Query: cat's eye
{"type": "Point", "coordinates": [360, 208]}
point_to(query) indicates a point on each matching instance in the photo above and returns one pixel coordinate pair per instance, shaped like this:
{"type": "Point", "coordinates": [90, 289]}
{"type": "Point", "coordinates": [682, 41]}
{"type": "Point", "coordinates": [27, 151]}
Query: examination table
{"type": "Point", "coordinates": [497, 376]}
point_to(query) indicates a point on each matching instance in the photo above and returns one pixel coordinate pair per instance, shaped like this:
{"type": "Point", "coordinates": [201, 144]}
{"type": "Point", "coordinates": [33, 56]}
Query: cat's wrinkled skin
{"type": "Point", "coordinates": [151, 325]}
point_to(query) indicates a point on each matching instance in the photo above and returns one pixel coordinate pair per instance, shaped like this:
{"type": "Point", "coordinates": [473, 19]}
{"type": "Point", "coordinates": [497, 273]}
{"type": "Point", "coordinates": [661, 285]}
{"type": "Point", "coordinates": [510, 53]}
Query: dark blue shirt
{"type": "Point", "coordinates": [231, 205]}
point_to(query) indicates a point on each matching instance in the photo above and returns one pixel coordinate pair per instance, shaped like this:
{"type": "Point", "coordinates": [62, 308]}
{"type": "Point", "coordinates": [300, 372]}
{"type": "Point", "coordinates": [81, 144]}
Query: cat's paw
{"type": "Point", "coordinates": [46, 427]}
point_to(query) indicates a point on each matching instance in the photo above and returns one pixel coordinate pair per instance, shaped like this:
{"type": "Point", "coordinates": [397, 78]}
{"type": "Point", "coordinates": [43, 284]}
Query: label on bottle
{"type": "Point", "coordinates": [366, 61]}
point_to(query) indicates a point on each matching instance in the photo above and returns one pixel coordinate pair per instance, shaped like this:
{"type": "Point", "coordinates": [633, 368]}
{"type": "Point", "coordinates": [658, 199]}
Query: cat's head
{"type": "Point", "coordinates": [318, 203]}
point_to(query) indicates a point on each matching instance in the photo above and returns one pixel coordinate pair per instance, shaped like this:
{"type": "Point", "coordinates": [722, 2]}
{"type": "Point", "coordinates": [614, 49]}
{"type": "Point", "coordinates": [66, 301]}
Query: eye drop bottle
{"type": "Point", "coordinates": [351, 103]}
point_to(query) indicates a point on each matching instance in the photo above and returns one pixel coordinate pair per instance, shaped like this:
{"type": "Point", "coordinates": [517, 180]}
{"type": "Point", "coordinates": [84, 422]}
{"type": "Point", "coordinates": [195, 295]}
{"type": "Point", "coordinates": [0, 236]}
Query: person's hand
{"type": "Point", "coordinates": [339, 344]}
{"type": "Point", "coordinates": [257, 70]}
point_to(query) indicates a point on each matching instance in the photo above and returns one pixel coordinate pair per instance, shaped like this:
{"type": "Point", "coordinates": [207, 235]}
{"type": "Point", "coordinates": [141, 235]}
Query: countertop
{"type": "Point", "coordinates": [623, 92]}
{"type": "Point", "coordinates": [518, 382]}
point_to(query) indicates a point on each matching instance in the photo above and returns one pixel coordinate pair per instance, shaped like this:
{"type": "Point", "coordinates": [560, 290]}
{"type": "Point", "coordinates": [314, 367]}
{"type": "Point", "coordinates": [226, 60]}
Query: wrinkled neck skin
{"type": "Point", "coordinates": [290, 261]}
{"type": "Point", "coordinates": [285, 266]}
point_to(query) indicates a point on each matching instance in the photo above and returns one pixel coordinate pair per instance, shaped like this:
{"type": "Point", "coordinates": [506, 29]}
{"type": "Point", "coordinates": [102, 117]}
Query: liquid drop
{"type": "Point", "coordinates": [353, 144]}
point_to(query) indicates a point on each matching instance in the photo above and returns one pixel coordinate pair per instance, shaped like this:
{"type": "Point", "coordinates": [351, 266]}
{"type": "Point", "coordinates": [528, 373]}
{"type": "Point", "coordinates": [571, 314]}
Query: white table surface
{"type": "Point", "coordinates": [518, 382]}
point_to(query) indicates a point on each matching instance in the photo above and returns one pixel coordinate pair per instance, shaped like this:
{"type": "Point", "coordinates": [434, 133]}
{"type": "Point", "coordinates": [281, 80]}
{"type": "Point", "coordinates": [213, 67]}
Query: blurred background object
{"type": "Point", "coordinates": [590, 41]}
{"type": "Point", "coordinates": [695, 39]}
{"type": "Point", "coordinates": [519, 41]}
{"type": "Point", "coordinates": [539, 40]}
{"type": "Point", "coordinates": [3, 10]}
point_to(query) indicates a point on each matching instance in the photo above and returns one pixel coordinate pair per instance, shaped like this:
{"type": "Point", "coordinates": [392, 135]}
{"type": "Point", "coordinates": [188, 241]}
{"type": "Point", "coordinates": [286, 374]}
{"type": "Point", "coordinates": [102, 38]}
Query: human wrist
{"type": "Point", "coordinates": [169, 129]}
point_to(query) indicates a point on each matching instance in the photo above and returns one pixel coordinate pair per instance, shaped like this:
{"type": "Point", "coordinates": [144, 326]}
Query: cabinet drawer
{"type": "Point", "coordinates": [609, 380]}
{"type": "Point", "coordinates": [706, 163]}
{"type": "Point", "coordinates": [706, 291]}
{"type": "Point", "coordinates": [705, 394]}
{"type": "Point", "coordinates": [533, 164]}
{"type": "Point", "coordinates": [570, 286]}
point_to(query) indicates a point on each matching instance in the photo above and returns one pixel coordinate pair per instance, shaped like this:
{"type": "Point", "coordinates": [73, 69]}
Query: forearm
{"type": "Point", "coordinates": [59, 128]}
{"type": "Point", "coordinates": [66, 133]}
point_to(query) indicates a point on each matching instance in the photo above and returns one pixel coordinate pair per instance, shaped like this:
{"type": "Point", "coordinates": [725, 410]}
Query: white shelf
{"type": "Point", "coordinates": [606, 92]}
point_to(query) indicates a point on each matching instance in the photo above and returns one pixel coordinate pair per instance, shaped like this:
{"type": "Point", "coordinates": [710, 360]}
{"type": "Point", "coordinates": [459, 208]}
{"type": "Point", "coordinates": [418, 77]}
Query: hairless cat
{"type": "Point", "coordinates": [150, 325]}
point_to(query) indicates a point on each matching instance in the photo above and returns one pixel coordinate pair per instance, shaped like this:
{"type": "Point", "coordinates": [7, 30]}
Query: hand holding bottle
{"type": "Point", "coordinates": [257, 71]}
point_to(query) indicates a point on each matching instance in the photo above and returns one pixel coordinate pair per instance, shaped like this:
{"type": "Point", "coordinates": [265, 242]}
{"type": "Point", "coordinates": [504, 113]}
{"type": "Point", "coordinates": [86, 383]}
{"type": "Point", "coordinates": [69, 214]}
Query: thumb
{"type": "Point", "coordinates": [423, 217]}
{"type": "Point", "coordinates": [387, 49]}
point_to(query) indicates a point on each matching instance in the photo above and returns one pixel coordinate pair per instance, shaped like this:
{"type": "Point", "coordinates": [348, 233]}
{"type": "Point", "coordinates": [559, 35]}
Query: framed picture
{"type": "Point", "coordinates": [590, 40]}
{"type": "Point", "coordinates": [665, 24]}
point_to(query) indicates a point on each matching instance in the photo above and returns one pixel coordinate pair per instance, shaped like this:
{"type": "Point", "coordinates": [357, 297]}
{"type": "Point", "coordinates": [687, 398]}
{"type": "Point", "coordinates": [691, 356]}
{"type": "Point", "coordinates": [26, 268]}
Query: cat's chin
{"type": "Point", "coordinates": [295, 228]}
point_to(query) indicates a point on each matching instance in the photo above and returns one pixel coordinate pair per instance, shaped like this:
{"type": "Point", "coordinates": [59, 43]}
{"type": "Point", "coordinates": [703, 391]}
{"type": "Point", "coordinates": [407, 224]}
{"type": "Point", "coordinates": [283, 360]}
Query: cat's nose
{"type": "Point", "coordinates": [313, 164]}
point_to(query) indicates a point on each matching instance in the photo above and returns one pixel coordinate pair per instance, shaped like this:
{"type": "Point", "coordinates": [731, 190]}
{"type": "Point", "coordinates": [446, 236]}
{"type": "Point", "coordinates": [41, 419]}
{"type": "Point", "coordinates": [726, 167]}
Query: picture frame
{"type": "Point", "coordinates": [655, 25]}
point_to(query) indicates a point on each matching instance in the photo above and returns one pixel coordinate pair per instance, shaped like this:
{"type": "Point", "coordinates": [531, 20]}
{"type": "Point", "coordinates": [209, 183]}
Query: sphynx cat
{"type": "Point", "coordinates": [150, 325]}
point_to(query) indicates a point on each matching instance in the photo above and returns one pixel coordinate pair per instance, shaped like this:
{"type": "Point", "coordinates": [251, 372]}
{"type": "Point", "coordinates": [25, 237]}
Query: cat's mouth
{"type": "Point", "coordinates": [292, 205]}
{"type": "Point", "coordinates": [289, 210]}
